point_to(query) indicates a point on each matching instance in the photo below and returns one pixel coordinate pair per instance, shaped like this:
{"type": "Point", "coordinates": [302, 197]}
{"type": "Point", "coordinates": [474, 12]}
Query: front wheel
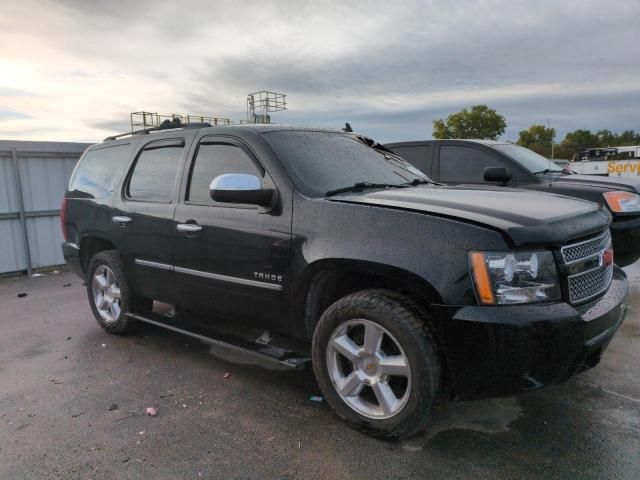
{"type": "Point", "coordinates": [376, 363]}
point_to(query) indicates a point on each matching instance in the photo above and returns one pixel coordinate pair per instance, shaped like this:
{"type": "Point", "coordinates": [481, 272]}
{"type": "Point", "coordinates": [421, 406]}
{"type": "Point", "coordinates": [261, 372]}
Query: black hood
{"type": "Point", "coordinates": [605, 183]}
{"type": "Point", "coordinates": [526, 217]}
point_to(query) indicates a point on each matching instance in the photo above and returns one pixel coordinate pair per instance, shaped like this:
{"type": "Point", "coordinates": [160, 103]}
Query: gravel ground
{"type": "Point", "coordinates": [73, 400]}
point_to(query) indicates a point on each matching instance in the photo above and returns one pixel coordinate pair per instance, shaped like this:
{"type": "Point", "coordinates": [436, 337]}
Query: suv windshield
{"type": "Point", "coordinates": [528, 158]}
{"type": "Point", "coordinates": [321, 162]}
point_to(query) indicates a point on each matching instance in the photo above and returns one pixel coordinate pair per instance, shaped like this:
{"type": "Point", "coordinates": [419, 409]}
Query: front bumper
{"type": "Point", "coordinates": [502, 350]}
{"type": "Point", "coordinates": [625, 235]}
{"type": "Point", "coordinates": [71, 253]}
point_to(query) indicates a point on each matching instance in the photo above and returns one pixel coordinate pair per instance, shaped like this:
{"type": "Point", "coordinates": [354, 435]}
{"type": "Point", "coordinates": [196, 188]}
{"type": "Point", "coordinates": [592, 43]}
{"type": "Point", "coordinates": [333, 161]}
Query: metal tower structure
{"type": "Point", "coordinates": [261, 104]}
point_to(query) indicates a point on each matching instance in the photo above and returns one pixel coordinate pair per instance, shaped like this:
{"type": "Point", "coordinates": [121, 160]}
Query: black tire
{"type": "Point", "coordinates": [409, 324]}
{"type": "Point", "coordinates": [128, 302]}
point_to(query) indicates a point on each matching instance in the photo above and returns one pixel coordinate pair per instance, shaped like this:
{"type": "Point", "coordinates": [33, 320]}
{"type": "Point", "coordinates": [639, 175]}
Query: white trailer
{"type": "Point", "coordinates": [612, 161]}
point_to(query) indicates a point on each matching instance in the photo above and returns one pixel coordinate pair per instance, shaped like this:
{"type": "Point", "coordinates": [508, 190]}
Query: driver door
{"type": "Point", "coordinates": [229, 259]}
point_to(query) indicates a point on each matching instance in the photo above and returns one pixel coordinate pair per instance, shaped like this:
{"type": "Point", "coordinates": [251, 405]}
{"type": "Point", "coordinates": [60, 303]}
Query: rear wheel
{"type": "Point", "coordinates": [110, 295]}
{"type": "Point", "coordinates": [377, 364]}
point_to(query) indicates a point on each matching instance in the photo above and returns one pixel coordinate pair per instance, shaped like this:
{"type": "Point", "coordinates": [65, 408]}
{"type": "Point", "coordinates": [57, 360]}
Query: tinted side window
{"type": "Point", "coordinates": [418, 156]}
{"type": "Point", "coordinates": [213, 160]}
{"type": "Point", "coordinates": [97, 172]}
{"type": "Point", "coordinates": [154, 175]}
{"type": "Point", "coordinates": [465, 164]}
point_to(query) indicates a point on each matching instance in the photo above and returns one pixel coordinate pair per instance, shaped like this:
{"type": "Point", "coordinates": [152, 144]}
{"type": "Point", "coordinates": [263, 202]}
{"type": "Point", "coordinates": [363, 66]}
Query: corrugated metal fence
{"type": "Point", "coordinates": [33, 178]}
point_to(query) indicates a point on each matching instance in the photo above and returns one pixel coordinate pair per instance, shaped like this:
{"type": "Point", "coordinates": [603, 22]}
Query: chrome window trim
{"type": "Point", "coordinates": [213, 276]}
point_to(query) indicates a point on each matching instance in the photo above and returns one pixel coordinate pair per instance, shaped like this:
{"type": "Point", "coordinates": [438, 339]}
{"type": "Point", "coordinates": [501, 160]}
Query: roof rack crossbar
{"type": "Point", "coordinates": [166, 125]}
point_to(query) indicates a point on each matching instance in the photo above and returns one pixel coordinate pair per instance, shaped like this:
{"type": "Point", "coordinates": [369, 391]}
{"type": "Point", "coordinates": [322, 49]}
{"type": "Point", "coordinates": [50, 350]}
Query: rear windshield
{"type": "Point", "coordinates": [97, 172]}
{"type": "Point", "coordinates": [319, 162]}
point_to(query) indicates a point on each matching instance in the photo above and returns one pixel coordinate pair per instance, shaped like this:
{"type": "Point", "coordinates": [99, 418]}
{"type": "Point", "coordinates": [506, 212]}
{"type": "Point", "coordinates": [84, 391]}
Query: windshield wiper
{"type": "Point", "coordinates": [423, 181]}
{"type": "Point", "coordinates": [360, 186]}
{"type": "Point", "coordinates": [551, 170]}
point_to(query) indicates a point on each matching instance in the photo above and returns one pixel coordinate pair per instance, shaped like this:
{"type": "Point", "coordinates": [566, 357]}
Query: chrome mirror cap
{"type": "Point", "coordinates": [241, 188]}
{"type": "Point", "coordinates": [235, 182]}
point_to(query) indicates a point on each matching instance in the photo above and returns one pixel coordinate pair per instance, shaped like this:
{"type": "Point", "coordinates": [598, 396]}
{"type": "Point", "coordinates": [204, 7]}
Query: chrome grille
{"type": "Point", "coordinates": [588, 280]}
{"type": "Point", "coordinates": [585, 249]}
{"type": "Point", "coordinates": [589, 284]}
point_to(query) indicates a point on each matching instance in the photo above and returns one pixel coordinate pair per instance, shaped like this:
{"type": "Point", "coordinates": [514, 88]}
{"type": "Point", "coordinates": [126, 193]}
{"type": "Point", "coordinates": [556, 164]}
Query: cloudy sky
{"type": "Point", "coordinates": [74, 69]}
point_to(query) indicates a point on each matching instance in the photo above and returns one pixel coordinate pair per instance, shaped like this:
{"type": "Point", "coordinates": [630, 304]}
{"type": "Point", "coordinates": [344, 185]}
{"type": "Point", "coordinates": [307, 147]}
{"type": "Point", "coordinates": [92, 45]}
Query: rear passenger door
{"type": "Point", "coordinates": [142, 217]}
{"type": "Point", "coordinates": [458, 164]}
{"type": "Point", "coordinates": [233, 259]}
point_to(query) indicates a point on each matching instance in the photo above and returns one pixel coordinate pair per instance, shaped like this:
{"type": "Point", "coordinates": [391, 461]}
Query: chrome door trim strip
{"type": "Point", "coordinates": [225, 278]}
{"type": "Point", "coordinates": [147, 263]}
{"type": "Point", "coordinates": [213, 276]}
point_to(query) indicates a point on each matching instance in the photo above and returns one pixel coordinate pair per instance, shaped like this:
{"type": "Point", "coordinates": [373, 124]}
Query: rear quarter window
{"type": "Point", "coordinates": [418, 156]}
{"type": "Point", "coordinates": [98, 171]}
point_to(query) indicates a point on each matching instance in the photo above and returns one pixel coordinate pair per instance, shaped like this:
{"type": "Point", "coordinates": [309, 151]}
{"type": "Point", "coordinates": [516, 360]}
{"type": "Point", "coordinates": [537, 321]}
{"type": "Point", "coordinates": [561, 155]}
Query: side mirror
{"type": "Point", "coordinates": [240, 188]}
{"type": "Point", "coordinates": [497, 174]}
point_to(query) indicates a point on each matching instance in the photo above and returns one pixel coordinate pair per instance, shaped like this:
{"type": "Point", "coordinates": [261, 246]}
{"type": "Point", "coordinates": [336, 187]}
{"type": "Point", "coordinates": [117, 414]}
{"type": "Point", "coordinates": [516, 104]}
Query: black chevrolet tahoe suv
{"type": "Point", "coordinates": [497, 163]}
{"type": "Point", "coordinates": [402, 292]}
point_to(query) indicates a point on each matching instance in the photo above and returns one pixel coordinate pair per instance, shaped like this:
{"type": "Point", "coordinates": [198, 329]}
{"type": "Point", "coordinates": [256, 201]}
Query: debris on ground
{"type": "Point", "coordinates": [114, 406]}
{"type": "Point", "coordinates": [152, 412]}
{"type": "Point", "coordinates": [167, 395]}
{"type": "Point", "coordinates": [66, 285]}
{"type": "Point", "coordinates": [21, 295]}
{"type": "Point", "coordinates": [316, 398]}
{"type": "Point", "coordinates": [125, 460]}
{"type": "Point", "coordinates": [227, 375]}
{"type": "Point", "coordinates": [76, 415]}
{"type": "Point", "coordinates": [68, 338]}
{"type": "Point", "coordinates": [184, 405]}
{"type": "Point", "coordinates": [36, 275]}
{"type": "Point", "coordinates": [56, 272]}
{"type": "Point", "coordinates": [141, 432]}
{"type": "Point", "coordinates": [104, 345]}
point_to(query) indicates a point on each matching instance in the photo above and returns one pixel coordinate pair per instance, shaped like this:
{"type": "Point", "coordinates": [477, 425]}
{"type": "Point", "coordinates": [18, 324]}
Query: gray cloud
{"type": "Point", "coordinates": [14, 92]}
{"type": "Point", "coordinates": [389, 68]}
{"type": "Point", "coordinates": [9, 115]}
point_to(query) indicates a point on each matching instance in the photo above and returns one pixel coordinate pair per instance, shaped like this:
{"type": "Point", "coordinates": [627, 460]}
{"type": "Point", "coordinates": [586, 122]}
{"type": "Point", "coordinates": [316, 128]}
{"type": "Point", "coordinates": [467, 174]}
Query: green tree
{"type": "Point", "coordinates": [627, 138]}
{"type": "Point", "coordinates": [537, 138]}
{"type": "Point", "coordinates": [576, 141]}
{"type": "Point", "coordinates": [479, 122]}
{"type": "Point", "coordinates": [606, 138]}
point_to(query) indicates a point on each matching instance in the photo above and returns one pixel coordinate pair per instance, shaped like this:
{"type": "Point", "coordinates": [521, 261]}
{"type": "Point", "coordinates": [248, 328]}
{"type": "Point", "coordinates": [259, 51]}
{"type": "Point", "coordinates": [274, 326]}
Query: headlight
{"type": "Point", "coordinates": [622, 201]}
{"type": "Point", "coordinates": [514, 277]}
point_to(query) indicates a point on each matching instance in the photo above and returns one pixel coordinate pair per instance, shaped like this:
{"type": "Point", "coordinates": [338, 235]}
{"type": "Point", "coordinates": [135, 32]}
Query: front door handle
{"type": "Point", "coordinates": [121, 220]}
{"type": "Point", "coordinates": [188, 228]}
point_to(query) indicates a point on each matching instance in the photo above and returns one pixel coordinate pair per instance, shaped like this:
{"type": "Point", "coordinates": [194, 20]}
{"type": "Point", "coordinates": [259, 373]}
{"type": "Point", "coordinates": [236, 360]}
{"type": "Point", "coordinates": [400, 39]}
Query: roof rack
{"type": "Point", "coordinates": [165, 125]}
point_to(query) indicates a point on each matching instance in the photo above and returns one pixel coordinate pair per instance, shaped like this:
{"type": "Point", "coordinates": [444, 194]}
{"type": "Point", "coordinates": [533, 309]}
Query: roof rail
{"type": "Point", "coordinates": [166, 125]}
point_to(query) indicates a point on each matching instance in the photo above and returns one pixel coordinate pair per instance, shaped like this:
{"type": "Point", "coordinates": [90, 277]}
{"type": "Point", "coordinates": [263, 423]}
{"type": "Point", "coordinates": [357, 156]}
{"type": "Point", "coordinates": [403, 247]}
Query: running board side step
{"type": "Point", "coordinates": [282, 357]}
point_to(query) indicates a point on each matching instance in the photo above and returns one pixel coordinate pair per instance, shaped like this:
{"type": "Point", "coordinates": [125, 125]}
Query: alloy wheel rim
{"type": "Point", "coordinates": [106, 294]}
{"type": "Point", "coordinates": [369, 369]}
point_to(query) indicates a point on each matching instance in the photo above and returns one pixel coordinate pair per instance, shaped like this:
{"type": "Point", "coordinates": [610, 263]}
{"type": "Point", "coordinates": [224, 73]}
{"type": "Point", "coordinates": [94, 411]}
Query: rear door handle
{"type": "Point", "coordinates": [121, 220]}
{"type": "Point", "coordinates": [188, 228]}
